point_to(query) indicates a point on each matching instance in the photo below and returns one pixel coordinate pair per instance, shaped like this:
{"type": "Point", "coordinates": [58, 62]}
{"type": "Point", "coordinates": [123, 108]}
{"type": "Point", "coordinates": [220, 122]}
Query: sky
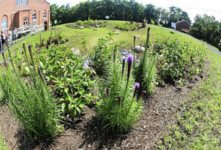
{"type": "Point", "coordinates": [192, 7]}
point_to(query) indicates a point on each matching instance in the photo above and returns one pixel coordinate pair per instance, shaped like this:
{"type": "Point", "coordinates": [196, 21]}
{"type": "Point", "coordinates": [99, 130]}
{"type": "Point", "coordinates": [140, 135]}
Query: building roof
{"type": "Point", "coordinates": [183, 21]}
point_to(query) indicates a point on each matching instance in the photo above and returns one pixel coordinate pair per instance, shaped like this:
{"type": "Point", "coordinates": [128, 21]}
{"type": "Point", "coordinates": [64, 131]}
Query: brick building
{"type": "Point", "coordinates": [21, 13]}
{"type": "Point", "coordinates": [183, 26]}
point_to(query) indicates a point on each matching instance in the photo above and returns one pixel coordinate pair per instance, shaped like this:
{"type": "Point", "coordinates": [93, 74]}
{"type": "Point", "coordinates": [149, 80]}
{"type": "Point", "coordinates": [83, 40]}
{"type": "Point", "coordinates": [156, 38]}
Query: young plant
{"type": "Point", "coordinates": [31, 101]}
{"type": "Point", "coordinates": [101, 56]}
{"type": "Point", "coordinates": [144, 73]}
{"type": "Point", "coordinates": [119, 108]}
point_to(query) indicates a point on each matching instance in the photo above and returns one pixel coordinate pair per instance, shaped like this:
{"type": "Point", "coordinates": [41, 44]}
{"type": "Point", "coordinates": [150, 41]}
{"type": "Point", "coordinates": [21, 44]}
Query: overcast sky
{"type": "Point", "coordinates": [192, 7]}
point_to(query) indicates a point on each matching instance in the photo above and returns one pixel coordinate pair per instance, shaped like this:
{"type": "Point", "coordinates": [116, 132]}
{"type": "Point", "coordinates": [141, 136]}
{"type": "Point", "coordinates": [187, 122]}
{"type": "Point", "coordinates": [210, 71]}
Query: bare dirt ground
{"type": "Point", "coordinates": [85, 133]}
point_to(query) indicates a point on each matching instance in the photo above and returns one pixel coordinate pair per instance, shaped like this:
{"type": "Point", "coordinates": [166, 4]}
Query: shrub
{"type": "Point", "coordinates": [31, 102]}
{"type": "Point", "coordinates": [128, 27]}
{"type": "Point", "coordinates": [152, 22]}
{"type": "Point", "coordinates": [67, 77]}
{"type": "Point", "coordinates": [144, 73]}
{"type": "Point", "coordinates": [101, 55]}
{"type": "Point", "coordinates": [119, 107]}
{"type": "Point", "coordinates": [179, 60]}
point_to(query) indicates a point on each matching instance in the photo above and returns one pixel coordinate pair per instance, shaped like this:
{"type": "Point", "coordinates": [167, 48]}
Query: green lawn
{"type": "Point", "coordinates": [75, 36]}
{"type": "Point", "coordinates": [199, 124]}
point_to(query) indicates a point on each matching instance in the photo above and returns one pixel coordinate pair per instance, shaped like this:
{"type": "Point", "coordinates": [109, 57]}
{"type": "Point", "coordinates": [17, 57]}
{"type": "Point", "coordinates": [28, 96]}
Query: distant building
{"type": "Point", "coordinates": [20, 13]}
{"type": "Point", "coordinates": [183, 26]}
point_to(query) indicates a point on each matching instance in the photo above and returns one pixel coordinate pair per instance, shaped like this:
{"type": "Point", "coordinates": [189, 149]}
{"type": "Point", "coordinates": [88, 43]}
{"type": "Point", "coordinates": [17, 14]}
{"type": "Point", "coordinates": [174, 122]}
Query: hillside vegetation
{"type": "Point", "coordinates": [123, 103]}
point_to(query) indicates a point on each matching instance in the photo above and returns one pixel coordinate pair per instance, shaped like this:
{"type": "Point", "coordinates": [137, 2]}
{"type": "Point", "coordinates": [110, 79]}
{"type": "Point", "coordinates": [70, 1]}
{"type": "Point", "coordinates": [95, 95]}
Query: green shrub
{"type": "Point", "coordinates": [101, 55]}
{"type": "Point", "coordinates": [128, 26]}
{"type": "Point", "coordinates": [30, 101]}
{"type": "Point", "coordinates": [66, 75]}
{"type": "Point", "coordinates": [119, 108]}
{"type": "Point", "coordinates": [152, 22]}
{"type": "Point", "coordinates": [179, 60]}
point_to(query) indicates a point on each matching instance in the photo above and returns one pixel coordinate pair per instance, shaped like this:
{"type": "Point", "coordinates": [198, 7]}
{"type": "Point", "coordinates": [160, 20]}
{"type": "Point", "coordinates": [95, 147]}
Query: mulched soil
{"type": "Point", "coordinates": [85, 133]}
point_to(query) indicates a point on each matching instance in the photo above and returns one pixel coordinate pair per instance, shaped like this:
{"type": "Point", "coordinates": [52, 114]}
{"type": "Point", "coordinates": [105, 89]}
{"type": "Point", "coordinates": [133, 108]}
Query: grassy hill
{"type": "Point", "coordinates": [198, 122]}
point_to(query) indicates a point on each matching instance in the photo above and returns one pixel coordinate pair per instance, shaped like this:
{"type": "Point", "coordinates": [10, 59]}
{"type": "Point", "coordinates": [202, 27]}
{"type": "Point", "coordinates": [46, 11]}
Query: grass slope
{"type": "Point", "coordinates": [199, 124]}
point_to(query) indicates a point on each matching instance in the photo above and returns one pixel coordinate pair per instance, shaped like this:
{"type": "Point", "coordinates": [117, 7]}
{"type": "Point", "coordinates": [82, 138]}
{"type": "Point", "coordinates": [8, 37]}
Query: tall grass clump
{"type": "Point", "coordinates": [30, 99]}
{"type": "Point", "coordinates": [119, 108]}
{"type": "Point", "coordinates": [145, 72]}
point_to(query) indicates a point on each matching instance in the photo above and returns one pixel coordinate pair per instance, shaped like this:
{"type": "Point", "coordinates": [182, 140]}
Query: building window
{"type": "Point", "coordinates": [44, 16]}
{"type": "Point", "coordinates": [21, 2]}
{"type": "Point", "coordinates": [25, 21]}
{"type": "Point", "coordinates": [34, 17]}
{"type": "Point", "coordinates": [4, 25]}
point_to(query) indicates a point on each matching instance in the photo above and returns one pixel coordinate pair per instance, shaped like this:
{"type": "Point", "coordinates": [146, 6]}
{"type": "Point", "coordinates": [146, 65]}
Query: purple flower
{"type": "Point", "coordinates": [148, 29]}
{"type": "Point", "coordinates": [137, 85]}
{"type": "Point", "coordinates": [3, 54]}
{"type": "Point", "coordinates": [29, 47]}
{"type": "Point", "coordinates": [144, 93]}
{"type": "Point", "coordinates": [119, 100]}
{"type": "Point", "coordinates": [3, 63]}
{"type": "Point", "coordinates": [129, 61]}
{"type": "Point", "coordinates": [148, 35]}
{"type": "Point", "coordinates": [3, 74]}
{"type": "Point", "coordinates": [124, 59]}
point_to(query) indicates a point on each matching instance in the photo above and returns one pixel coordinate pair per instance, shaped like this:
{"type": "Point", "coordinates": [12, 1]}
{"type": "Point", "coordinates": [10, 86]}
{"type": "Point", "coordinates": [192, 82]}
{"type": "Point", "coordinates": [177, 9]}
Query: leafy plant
{"type": "Point", "coordinates": [178, 60]}
{"type": "Point", "coordinates": [101, 55]}
{"type": "Point", "coordinates": [65, 73]}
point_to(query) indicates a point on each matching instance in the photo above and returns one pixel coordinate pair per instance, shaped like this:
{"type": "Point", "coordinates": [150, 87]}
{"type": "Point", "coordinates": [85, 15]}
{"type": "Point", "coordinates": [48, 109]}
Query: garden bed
{"type": "Point", "coordinates": [85, 132]}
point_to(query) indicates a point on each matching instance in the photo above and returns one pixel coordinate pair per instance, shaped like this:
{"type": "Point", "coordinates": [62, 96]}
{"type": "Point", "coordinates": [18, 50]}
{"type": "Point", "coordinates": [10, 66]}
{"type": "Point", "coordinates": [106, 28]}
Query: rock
{"type": "Point", "coordinates": [95, 29]}
{"type": "Point", "coordinates": [125, 53]}
{"type": "Point", "coordinates": [117, 33]}
{"type": "Point", "coordinates": [86, 64]}
{"type": "Point", "coordinates": [81, 27]}
{"type": "Point", "coordinates": [139, 49]}
{"type": "Point", "coordinates": [97, 26]}
{"type": "Point", "coordinates": [89, 27]}
{"type": "Point", "coordinates": [75, 51]}
{"type": "Point", "coordinates": [76, 25]}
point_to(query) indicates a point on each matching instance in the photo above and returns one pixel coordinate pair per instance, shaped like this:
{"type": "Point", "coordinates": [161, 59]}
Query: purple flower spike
{"type": "Point", "coordinates": [137, 85]}
{"type": "Point", "coordinates": [119, 100]}
{"type": "Point", "coordinates": [3, 63]}
{"type": "Point", "coordinates": [149, 29]}
{"type": "Point", "coordinates": [3, 54]}
{"type": "Point", "coordinates": [124, 59]}
{"type": "Point", "coordinates": [29, 47]}
{"type": "Point", "coordinates": [129, 61]}
{"type": "Point", "coordinates": [3, 74]}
